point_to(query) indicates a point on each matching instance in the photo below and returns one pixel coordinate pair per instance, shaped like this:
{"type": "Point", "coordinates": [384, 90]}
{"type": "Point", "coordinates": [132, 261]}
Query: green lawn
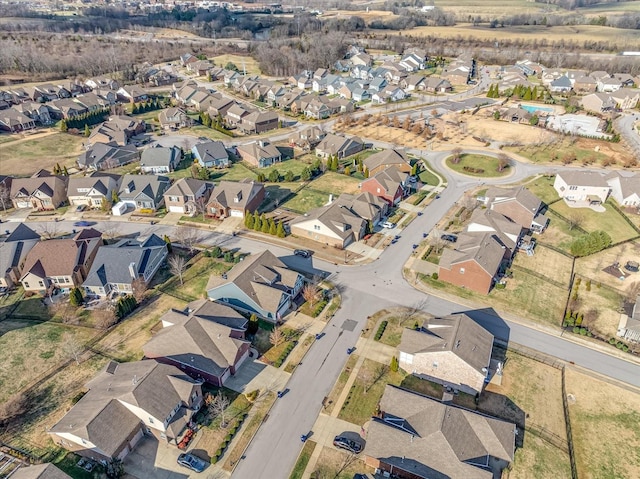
{"type": "Point", "coordinates": [393, 332]}
{"type": "Point", "coordinates": [294, 166]}
{"type": "Point", "coordinates": [236, 172]}
{"type": "Point", "coordinates": [276, 192]}
{"type": "Point", "coordinates": [201, 130]}
{"type": "Point", "coordinates": [429, 178]}
{"type": "Point", "coordinates": [610, 220]}
{"type": "Point", "coordinates": [360, 405]}
{"type": "Point", "coordinates": [303, 460]}
{"type": "Point", "coordinates": [196, 277]}
{"type": "Point", "coordinates": [422, 386]}
{"type": "Point", "coordinates": [306, 200]}
{"type": "Point", "coordinates": [336, 183]}
{"type": "Point", "coordinates": [488, 164]}
{"type": "Point", "coordinates": [543, 188]}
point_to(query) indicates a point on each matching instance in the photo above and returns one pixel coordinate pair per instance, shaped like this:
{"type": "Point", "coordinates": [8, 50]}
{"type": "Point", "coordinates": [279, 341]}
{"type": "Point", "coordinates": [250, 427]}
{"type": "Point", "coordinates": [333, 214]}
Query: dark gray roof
{"type": "Point", "coordinates": [150, 186]}
{"type": "Point", "coordinates": [104, 155]}
{"type": "Point", "coordinates": [211, 151]}
{"type": "Point", "coordinates": [226, 193]}
{"type": "Point", "coordinates": [41, 471]}
{"type": "Point", "coordinates": [83, 185]}
{"type": "Point", "coordinates": [22, 233]}
{"type": "Point", "coordinates": [112, 263]}
{"type": "Point", "coordinates": [161, 156]}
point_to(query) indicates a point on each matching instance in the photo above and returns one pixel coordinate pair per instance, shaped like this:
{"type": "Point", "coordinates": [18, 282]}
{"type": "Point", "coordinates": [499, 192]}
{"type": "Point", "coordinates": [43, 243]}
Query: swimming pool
{"type": "Point", "coordinates": [533, 109]}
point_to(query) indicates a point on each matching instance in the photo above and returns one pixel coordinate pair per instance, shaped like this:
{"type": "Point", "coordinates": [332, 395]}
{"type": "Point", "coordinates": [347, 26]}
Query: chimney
{"type": "Point", "coordinates": [133, 270]}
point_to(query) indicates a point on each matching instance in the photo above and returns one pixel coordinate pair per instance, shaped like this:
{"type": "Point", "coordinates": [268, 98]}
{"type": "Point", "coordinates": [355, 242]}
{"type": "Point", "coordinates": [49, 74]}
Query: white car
{"type": "Point", "coordinates": [388, 224]}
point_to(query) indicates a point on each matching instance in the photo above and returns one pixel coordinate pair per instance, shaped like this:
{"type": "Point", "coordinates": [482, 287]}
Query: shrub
{"type": "Point", "coordinates": [619, 345]}
{"type": "Point", "coordinates": [501, 286]}
{"type": "Point", "coordinates": [318, 308]}
{"type": "Point", "coordinates": [214, 459]}
{"type": "Point", "coordinates": [583, 331]}
{"type": "Point", "coordinates": [576, 330]}
{"type": "Point", "coordinates": [625, 348]}
{"type": "Point", "coordinates": [588, 285]}
{"type": "Point", "coordinates": [228, 257]}
{"type": "Point", "coordinates": [227, 438]}
{"type": "Point", "coordinates": [578, 321]}
{"type": "Point", "coordinates": [612, 341]}
{"type": "Point", "coordinates": [434, 276]}
{"type": "Point", "coordinates": [215, 252]}
{"type": "Point", "coordinates": [381, 328]}
{"type": "Point", "coordinates": [251, 396]}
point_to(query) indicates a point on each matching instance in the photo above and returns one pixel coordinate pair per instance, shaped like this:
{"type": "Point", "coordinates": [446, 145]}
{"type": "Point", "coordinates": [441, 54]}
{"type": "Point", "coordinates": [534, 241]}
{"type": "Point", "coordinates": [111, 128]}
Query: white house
{"type": "Point", "coordinates": [582, 187]}
{"type": "Point", "coordinates": [625, 189]}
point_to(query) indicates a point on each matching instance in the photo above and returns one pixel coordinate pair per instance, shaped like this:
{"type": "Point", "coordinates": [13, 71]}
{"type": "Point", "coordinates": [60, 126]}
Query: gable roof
{"type": "Point", "coordinates": [337, 217]}
{"type": "Point", "coordinates": [583, 178]}
{"type": "Point", "coordinates": [259, 149]}
{"type": "Point", "coordinates": [22, 233]}
{"type": "Point", "coordinates": [483, 249]}
{"type": "Point", "coordinates": [151, 186]}
{"type": "Point", "coordinates": [518, 194]}
{"type": "Point", "coordinates": [117, 263]}
{"type": "Point", "coordinates": [496, 223]}
{"type": "Point", "coordinates": [235, 194]}
{"type": "Point", "coordinates": [332, 144]}
{"type": "Point", "coordinates": [45, 183]}
{"type": "Point", "coordinates": [107, 155]}
{"type": "Point", "coordinates": [83, 185]}
{"type": "Point", "coordinates": [160, 156]}
{"type": "Point", "coordinates": [41, 471]}
{"type": "Point", "coordinates": [629, 185]}
{"type": "Point", "coordinates": [391, 179]}
{"type": "Point", "coordinates": [210, 151]}
{"type": "Point", "coordinates": [456, 333]}
{"type": "Point", "coordinates": [365, 205]}
{"type": "Point", "coordinates": [434, 440]}
{"type": "Point", "coordinates": [187, 187]}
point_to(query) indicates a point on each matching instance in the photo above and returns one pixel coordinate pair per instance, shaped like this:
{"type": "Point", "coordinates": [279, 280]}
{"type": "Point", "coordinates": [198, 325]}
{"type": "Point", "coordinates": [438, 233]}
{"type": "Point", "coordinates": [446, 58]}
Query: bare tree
{"type": "Point", "coordinates": [200, 206]}
{"type": "Point", "coordinates": [64, 311]}
{"type": "Point", "coordinates": [48, 230]}
{"type": "Point", "coordinates": [217, 406]}
{"type": "Point", "coordinates": [503, 161]}
{"type": "Point", "coordinates": [111, 229]}
{"type": "Point", "coordinates": [188, 237]}
{"type": "Point", "coordinates": [575, 220]}
{"type": "Point", "coordinates": [436, 241]}
{"type": "Point", "coordinates": [310, 293]}
{"type": "Point", "coordinates": [72, 347]}
{"type": "Point", "coordinates": [105, 318]}
{"type": "Point", "coordinates": [370, 377]}
{"type": "Point", "coordinates": [139, 288]}
{"type": "Point", "coordinates": [177, 266]}
{"type": "Point", "coordinates": [468, 202]}
{"type": "Point", "coordinates": [4, 196]}
{"type": "Point", "coordinates": [276, 338]}
{"type": "Point", "coordinates": [411, 312]}
{"type": "Point", "coordinates": [456, 155]}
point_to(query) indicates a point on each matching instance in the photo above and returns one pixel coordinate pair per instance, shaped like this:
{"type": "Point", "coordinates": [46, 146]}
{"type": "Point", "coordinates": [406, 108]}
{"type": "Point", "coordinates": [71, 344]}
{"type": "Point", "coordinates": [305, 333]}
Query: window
{"type": "Point", "coordinates": [573, 188]}
{"type": "Point", "coordinates": [316, 227]}
{"type": "Point", "coordinates": [150, 420]}
{"type": "Point", "coordinates": [41, 284]}
{"type": "Point", "coordinates": [435, 364]}
{"type": "Point", "coordinates": [26, 285]}
{"type": "Point", "coordinates": [461, 270]}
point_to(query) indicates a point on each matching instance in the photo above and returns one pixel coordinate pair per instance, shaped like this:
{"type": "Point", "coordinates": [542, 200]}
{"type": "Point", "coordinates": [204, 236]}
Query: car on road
{"type": "Point", "coordinates": [348, 444]}
{"type": "Point", "coordinates": [82, 224]}
{"type": "Point", "coordinates": [191, 462]}
{"type": "Point", "coordinates": [388, 224]}
{"type": "Point", "coordinates": [449, 238]}
{"type": "Point", "coordinates": [437, 197]}
{"type": "Point", "coordinates": [350, 350]}
{"type": "Point", "coordinates": [302, 252]}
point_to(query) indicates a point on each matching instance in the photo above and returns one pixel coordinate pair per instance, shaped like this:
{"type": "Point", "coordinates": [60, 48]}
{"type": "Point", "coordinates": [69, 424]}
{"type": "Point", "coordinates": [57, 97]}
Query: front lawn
{"type": "Point", "coordinates": [481, 166]}
{"type": "Point", "coordinates": [429, 178]}
{"type": "Point", "coordinates": [303, 460]}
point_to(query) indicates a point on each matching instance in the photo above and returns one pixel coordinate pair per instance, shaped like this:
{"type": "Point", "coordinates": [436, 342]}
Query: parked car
{"type": "Point", "coordinates": [302, 252]}
{"type": "Point", "coordinates": [348, 444]}
{"type": "Point", "coordinates": [81, 208]}
{"type": "Point", "coordinates": [191, 462]}
{"type": "Point", "coordinates": [450, 238]}
{"type": "Point", "coordinates": [388, 224]}
{"type": "Point", "coordinates": [350, 350]}
{"type": "Point", "coordinates": [82, 224]}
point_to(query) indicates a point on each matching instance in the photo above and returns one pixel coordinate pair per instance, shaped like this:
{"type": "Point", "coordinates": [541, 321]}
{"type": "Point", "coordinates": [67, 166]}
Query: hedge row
{"type": "Point", "coordinates": [283, 355]}
{"type": "Point", "coordinates": [228, 438]}
{"type": "Point", "coordinates": [381, 328]}
{"type": "Point", "coordinates": [318, 309]}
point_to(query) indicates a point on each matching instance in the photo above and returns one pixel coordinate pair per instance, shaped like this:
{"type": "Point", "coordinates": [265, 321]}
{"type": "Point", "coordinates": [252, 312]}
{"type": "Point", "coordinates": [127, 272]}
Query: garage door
{"type": "Point", "coordinates": [237, 213]}
{"type": "Point", "coordinates": [139, 435]}
{"type": "Point", "coordinates": [176, 209]}
{"type": "Point", "coordinates": [242, 359]}
{"type": "Point", "coordinates": [225, 376]}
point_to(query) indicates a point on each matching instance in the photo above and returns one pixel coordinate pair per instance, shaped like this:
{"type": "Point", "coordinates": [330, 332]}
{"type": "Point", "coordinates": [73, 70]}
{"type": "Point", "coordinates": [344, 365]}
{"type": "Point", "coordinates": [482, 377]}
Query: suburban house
{"type": "Point", "coordinates": [416, 437]}
{"type": "Point", "coordinates": [506, 231]}
{"type": "Point", "coordinates": [235, 114]}
{"type": "Point", "coordinates": [389, 184]}
{"type": "Point", "coordinates": [13, 253]}
{"type": "Point", "coordinates": [365, 205]}
{"type": "Point", "coordinates": [174, 119]}
{"type": "Point", "coordinates": [91, 191]}
{"type": "Point", "coordinates": [625, 188]}
{"type": "Point", "coordinates": [259, 122]}
{"type": "Point", "coordinates": [334, 224]}
{"type": "Point", "coordinates": [585, 187]}
{"type": "Point", "coordinates": [41, 471]}
{"type": "Point", "coordinates": [14, 121]}
{"type": "Point", "coordinates": [103, 82]}
{"type": "Point", "coordinates": [454, 351]}
{"type": "Point", "coordinates": [339, 146]}
{"type": "Point", "coordinates": [561, 85]}
{"type": "Point", "coordinates": [629, 326]}
{"type": "Point", "coordinates": [36, 111]}
{"type": "Point", "coordinates": [261, 285]}
{"type": "Point", "coordinates": [206, 341]}
{"type": "Point", "coordinates": [211, 154]}
{"type": "Point", "coordinates": [599, 102]}
{"type": "Point", "coordinates": [104, 156]}
{"type": "Point", "coordinates": [125, 402]}
{"type": "Point", "coordinates": [386, 158]}
{"type": "Point", "coordinates": [132, 94]}
{"type": "Point", "coordinates": [160, 160]}
{"type": "Point", "coordinates": [519, 205]}
{"type": "Point", "coordinates": [117, 129]}
{"type": "Point", "coordinates": [307, 138]}
{"type": "Point", "coordinates": [188, 196]}
{"type": "Point", "coordinates": [260, 153]}
{"type": "Point", "coordinates": [626, 98]}
{"type": "Point", "coordinates": [60, 263]}
{"type": "Point", "coordinates": [234, 198]}
{"type": "Point", "coordinates": [39, 192]}
{"type": "Point", "coordinates": [66, 108]}
{"type": "Point", "coordinates": [143, 192]}
{"type": "Point", "coordinates": [116, 267]}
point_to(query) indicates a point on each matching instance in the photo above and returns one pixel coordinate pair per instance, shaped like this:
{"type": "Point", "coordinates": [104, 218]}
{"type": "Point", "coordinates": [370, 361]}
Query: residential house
{"type": "Point", "coordinates": [117, 267]}
{"type": "Point", "coordinates": [60, 263]}
{"type": "Point", "coordinates": [385, 159]}
{"type": "Point", "coordinates": [259, 122]}
{"type": "Point", "coordinates": [549, 75]}
{"type": "Point", "coordinates": [132, 94]}
{"type": "Point", "coordinates": [416, 437]}
{"type": "Point", "coordinates": [626, 98]}
{"type": "Point", "coordinates": [40, 471]}
{"type": "Point", "coordinates": [123, 403]}
{"type": "Point", "coordinates": [211, 154]}
{"type": "Point", "coordinates": [66, 108]}
{"type": "Point", "coordinates": [584, 84]}
{"type": "Point", "coordinates": [161, 78]}
{"type": "Point", "coordinates": [625, 188]}
{"type": "Point", "coordinates": [334, 225]}
{"type": "Point", "coordinates": [117, 129]}
{"type": "Point", "coordinates": [598, 102]}
{"type": "Point", "coordinates": [36, 111]}
{"type": "Point", "coordinates": [377, 84]}
{"type": "Point", "coordinates": [261, 285]}
{"type": "Point", "coordinates": [13, 252]}
{"type": "Point", "coordinates": [413, 82]}
{"type": "Point", "coordinates": [40, 192]}
{"type": "Point", "coordinates": [187, 58]}
{"type": "Point", "coordinates": [103, 82]}
{"type": "Point", "coordinates": [104, 156]}
{"type": "Point", "coordinates": [629, 326]}
{"type": "Point", "coordinates": [307, 138]}
{"type": "Point", "coordinates": [508, 233]}
{"type": "Point", "coordinates": [560, 85]}
{"type": "Point", "coordinates": [365, 205]}
{"type": "Point", "coordinates": [586, 187]}
{"type": "Point", "coordinates": [519, 205]}
{"type": "Point", "coordinates": [361, 59]}
{"type": "Point", "coordinates": [92, 102]}
{"type": "Point", "coordinates": [234, 198]}
{"type": "Point", "coordinates": [317, 109]}
{"type": "Point", "coordinates": [260, 153]}
{"type": "Point", "coordinates": [188, 196]}
{"type": "Point", "coordinates": [340, 146]}
{"type": "Point", "coordinates": [91, 191]}
{"type": "Point", "coordinates": [218, 107]}
{"type": "Point", "coordinates": [173, 119]}
{"type": "Point", "coordinates": [529, 67]}
{"type": "Point", "coordinates": [200, 68]}
{"type": "Point", "coordinates": [235, 114]}
{"type": "Point", "coordinates": [13, 121]}
{"type": "Point", "coordinates": [389, 184]}
{"type": "Point", "coordinates": [454, 351]}
{"type": "Point", "coordinates": [608, 84]}
{"type": "Point", "coordinates": [360, 95]}
{"type": "Point", "coordinates": [160, 160]}
{"type": "Point", "coordinates": [183, 92]}
{"type": "Point", "coordinates": [143, 192]}
{"type": "Point", "coordinates": [412, 62]}
{"type": "Point", "coordinates": [286, 100]}
{"type": "Point", "coordinates": [457, 76]}
{"type": "Point", "coordinates": [206, 341]}
{"type": "Point", "coordinates": [626, 80]}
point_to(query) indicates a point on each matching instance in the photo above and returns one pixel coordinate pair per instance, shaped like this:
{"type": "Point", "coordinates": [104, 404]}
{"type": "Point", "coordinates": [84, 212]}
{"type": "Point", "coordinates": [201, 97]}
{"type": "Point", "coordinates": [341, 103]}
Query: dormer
{"type": "Point", "coordinates": [130, 187]}
{"type": "Point", "coordinates": [238, 197]}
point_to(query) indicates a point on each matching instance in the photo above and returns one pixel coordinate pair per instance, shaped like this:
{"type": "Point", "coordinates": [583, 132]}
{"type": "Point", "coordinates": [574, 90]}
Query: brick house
{"type": "Point", "coordinates": [389, 184]}
{"type": "Point", "coordinates": [233, 198]}
{"type": "Point", "coordinates": [187, 196]}
{"type": "Point", "coordinates": [42, 191]}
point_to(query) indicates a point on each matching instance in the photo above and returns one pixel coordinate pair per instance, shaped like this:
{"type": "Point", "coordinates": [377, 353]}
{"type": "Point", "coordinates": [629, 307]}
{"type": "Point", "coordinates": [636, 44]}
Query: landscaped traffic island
{"type": "Point", "coordinates": [484, 166]}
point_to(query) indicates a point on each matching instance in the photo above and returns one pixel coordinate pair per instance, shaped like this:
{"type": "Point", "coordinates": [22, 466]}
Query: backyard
{"type": "Point", "coordinates": [542, 187]}
{"type": "Point", "coordinates": [317, 192]}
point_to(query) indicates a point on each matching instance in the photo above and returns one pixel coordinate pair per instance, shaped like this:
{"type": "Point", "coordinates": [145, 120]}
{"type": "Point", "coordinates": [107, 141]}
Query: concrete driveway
{"type": "Point", "coordinates": [254, 375]}
{"type": "Point", "coordinates": [154, 459]}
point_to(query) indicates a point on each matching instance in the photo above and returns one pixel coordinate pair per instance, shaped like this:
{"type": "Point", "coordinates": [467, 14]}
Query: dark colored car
{"type": "Point", "coordinates": [350, 350]}
{"type": "Point", "coordinates": [348, 444]}
{"type": "Point", "coordinates": [82, 223]}
{"type": "Point", "coordinates": [450, 238]}
{"type": "Point", "coordinates": [302, 252]}
{"type": "Point", "coordinates": [191, 462]}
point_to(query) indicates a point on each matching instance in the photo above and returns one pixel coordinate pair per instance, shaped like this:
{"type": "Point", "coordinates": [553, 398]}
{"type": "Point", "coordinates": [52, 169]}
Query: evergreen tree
{"type": "Point", "coordinates": [56, 169]}
{"type": "Point", "coordinates": [394, 364]}
{"type": "Point", "coordinates": [273, 229]}
{"type": "Point", "coordinates": [527, 94]}
{"type": "Point", "coordinates": [134, 109]}
{"type": "Point", "coordinates": [347, 171]}
{"type": "Point", "coordinates": [248, 220]}
{"type": "Point", "coordinates": [63, 125]}
{"type": "Point", "coordinates": [264, 225]}
{"type": "Point", "coordinates": [490, 92]}
{"type": "Point", "coordinates": [114, 197]}
{"type": "Point", "coordinates": [414, 169]}
{"type": "Point", "coordinates": [257, 223]}
{"type": "Point", "coordinates": [65, 172]}
{"type": "Point", "coordinates": [75, 297]}
{"type": "Point", "coordinates": [253, 326]}
{"type": "Point", "coordinates": [274, 176]}
{"type": "Point", "coordinates": [288, 176]}
{"type": "Point", "coordinates": [280, 232]}
{"type": "Point", "coordinates": [534, 93]}
{"type": "Point", "coordinates": [167, 241]}
{"type": "Point", "coordinates": [305, 175]}
{"type": "Point", "coordinates": [365, 173]}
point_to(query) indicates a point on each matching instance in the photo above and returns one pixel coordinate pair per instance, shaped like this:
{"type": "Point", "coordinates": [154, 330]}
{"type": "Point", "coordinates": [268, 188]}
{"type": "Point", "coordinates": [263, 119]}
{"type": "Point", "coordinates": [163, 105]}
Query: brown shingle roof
{"type": "Point", "coordinates": [42, 471]}
{"type": "Point", "coordinates": [386, 158]}
{"type": "Point", "coordinates": [484, 249]}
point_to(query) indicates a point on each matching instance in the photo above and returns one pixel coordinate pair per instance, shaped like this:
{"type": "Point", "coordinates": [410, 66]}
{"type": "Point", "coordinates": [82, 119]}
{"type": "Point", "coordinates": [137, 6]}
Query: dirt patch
{"type": "Point", "coordinates": [606, 428]}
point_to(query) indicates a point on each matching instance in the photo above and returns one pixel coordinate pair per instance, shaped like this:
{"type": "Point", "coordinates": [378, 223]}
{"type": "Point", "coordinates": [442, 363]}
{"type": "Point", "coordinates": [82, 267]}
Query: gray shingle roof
{"type": "Point", "coordinates": [211, 151]}
{"type": "Point", "coordinates": [103, 155]}
{"type": "Point", "coordinates": [149, 186]}
{"type": "Point", "coordinates": [42, 471]}
{"type": "Point", "coordinates": [226, 192]}
{"type": "Point", "coordinates": [161, 156]}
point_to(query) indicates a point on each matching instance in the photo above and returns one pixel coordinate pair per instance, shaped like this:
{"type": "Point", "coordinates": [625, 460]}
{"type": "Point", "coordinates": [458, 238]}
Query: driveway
{"type": "Point", "coordinates": [154, 459]}
{"type": "Point", "coordinates": [254, 375]}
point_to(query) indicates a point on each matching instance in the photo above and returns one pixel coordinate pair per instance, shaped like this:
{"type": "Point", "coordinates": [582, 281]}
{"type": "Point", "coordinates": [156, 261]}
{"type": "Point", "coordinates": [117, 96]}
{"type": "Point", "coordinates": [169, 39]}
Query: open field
{"type": "Point", "coordinates": [483, 125]}
{"type": "Point", "coordinates": [294, 166]}
{"type": "Point", "coordinates": [336, 464]}
{"type": "Point", "coordinates": [547, 262]}
{"type": "Point", "coordinates": [599, 306]}
{"type": "Point", "coordinates": [606, 428]}
{"type": "Point", "coordinates": [317, 192]}
{"type": "Point", "coordinates": [242, 62]}
{"type": "Point", "coordinates": [27, 155]}
{"type": "Point", "coordinates": [488, 164]}
{"type": "Point", "coordinates": [592, 266]}
{"type": "Point", "coordinates": [369, 16]}
{"type": "Point", "coordinates": [610, 221]}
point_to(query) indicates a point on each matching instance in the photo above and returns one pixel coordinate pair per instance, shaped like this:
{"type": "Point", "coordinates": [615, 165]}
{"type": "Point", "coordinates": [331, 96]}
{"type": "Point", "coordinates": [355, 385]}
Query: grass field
{"type": "Point", "coordinates": [547, 262]}
{"type": "Point", "coordinates": [542, 187]}
{"type": "Point", "coordinates": [592, 266]}
{"type": "Point", "coordinates": [606, 428]}
{"type": "Point", "coordinates": [303, 460]}
{"type": "Point", "coordinates": [242, 62]}
{"type": "Point", "coordinates": [236, 172]}
{"type": "Point", "coordinates": [340, 383]}
{"type": "Point", "coordinates": [200, 130]}
{"type": "Point", "coordinates": [539, 459]}
{"type": "Point", "coordinates": [599, 306]}
{"type": "Point", "coordinates": [336, 464]}
{"type": "Point", "coordinates": [196, 277]}
{"type": "Point", "coordinates": [24, 157]}
{"type": "Point", "coordinates": [294, 166]}
{"type": "Point", "coordinates": [553, 151]}
{"type": "Point", "coordinates": [482, 162]}
{"type": "Point", "coordinates": [317, 192]}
